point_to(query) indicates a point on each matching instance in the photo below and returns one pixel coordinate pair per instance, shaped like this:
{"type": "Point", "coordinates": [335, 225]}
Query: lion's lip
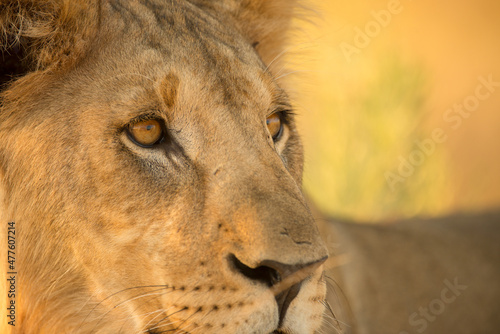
{"type": "Point", "coordinates": [284, 300]}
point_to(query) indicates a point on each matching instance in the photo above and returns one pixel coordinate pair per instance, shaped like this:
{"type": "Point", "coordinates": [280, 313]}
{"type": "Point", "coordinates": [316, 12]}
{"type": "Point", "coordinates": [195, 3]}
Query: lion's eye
{"type": "Point", "coordinates": [274, 125]}
{"type": "Point", "coordinates": [146, 133]}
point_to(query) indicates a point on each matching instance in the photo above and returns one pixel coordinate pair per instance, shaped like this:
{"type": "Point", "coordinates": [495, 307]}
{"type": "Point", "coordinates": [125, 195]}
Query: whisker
{"type": "Point", "coordinates": [285, 51]}
{"type": "Point", "coordinates": [146, 328]}
{"type": "Point", "coordinates": [340, 295]}
{"type": "Point", "coordinates": [206, 314]}
{"type": "Point", "coordinates": [196, 328]}
{"type": "Point", "coordinates": [114, 294]}
{"type": "Point", "coordinates": [155, 326]}
{"type": "Point", "coordinates": [151, 320]}
{"type": "Point", "coordinates": [179, 326]}
{"type": "Point", "coordinates": [145, 315]}
{"type": "Point", "coordinates": [334, 317]}
{"type": "Point", "coordinates": [292, 72]}
{"type": "Point", "coordinates": [279, 55]}
{"type": "Point", "coordinates": [52, 286]}
{"type": "Point", "coordinates": [137, 297]}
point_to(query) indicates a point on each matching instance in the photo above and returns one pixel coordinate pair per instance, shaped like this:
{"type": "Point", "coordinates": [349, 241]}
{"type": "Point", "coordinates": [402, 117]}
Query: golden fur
{"type": "Point", "coordinates": [207, 232]}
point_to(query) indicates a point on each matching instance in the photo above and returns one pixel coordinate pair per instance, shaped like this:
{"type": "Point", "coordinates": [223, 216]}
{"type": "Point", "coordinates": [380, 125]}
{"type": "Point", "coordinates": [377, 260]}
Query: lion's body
{"type": "Point", "coordinates": [185, 236]}
{"type": "Point", "coordinates": [433, 276]}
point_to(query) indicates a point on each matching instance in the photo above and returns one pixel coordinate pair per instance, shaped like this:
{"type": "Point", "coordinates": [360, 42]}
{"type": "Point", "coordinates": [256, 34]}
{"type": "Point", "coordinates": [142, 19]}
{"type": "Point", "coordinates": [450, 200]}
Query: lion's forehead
{"type": "Point", "coordinates": [148, 43]}
{"type": "Point", "coordinates": [181, 32]}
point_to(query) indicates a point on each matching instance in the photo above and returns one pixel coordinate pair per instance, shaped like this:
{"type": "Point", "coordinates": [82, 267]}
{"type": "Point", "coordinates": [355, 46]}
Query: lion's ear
{"type": "Point", "coordinates": [36, 34]}
{"type": "Point", "coordinates": [264, 22]}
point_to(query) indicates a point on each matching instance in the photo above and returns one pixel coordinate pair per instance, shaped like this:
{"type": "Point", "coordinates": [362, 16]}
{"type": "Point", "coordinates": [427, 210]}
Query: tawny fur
{"type": "Point", "coordinates": [114, 237]}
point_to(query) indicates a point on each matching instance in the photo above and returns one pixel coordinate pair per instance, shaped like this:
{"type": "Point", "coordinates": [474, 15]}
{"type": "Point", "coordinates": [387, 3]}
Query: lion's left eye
{"type": "Point", "coordinates": [274, 125]}
{"type": "Point", "coordinates": [146, 133]}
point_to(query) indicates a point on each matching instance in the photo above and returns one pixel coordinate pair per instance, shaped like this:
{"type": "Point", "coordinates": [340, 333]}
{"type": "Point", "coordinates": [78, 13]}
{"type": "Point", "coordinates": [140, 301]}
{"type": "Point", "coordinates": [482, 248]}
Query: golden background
{"type": "Point", "coordinates": [373, 81]}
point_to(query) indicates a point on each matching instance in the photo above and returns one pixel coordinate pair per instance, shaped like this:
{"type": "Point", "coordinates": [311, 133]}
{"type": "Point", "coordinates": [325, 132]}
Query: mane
{"type": "Point", "coordinates": [40, 34]}
{"type": "Point", "coordinates": [35, 34]}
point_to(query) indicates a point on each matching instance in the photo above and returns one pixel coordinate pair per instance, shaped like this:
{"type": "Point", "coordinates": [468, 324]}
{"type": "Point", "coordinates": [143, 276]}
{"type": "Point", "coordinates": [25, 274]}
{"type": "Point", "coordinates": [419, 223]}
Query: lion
{"type": "Point", "coordinates": [150, 170]}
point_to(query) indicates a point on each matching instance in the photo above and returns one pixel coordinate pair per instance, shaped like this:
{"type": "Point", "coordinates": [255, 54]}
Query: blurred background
{"type": "Point", "coordinates": [399, 106]}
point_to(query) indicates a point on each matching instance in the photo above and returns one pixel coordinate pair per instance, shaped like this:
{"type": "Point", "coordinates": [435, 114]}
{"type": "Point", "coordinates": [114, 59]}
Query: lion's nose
{"type": "Point", "coordinates": [284, 279]}
{"type": "Point", "coordinates": [272, 272]}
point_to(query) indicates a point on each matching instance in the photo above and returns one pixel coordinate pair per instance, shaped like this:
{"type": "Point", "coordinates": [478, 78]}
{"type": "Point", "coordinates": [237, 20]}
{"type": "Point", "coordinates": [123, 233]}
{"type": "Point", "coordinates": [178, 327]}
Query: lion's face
{"type": "Point", "coordinates": [155, 183]}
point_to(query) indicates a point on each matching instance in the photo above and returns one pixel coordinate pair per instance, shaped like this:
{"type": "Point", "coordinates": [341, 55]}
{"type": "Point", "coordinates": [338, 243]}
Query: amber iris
{"type": "Point", "coordinates": [146, 133]}
{"type": "Point", "coordinates": [274, 125]}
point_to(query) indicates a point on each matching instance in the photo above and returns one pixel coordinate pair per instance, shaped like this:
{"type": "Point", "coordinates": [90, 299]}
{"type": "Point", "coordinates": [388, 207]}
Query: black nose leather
{"type": "Point", "coordinates": [262, 273]}
{"type": "Point", "coordinates": [269, 272]}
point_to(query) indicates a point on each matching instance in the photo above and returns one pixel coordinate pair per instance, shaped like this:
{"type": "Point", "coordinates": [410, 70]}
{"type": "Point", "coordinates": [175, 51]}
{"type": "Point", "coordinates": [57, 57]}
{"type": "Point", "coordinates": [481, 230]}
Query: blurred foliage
{"type": "Point", "coordinates": [357, 119]}
{"type": "Point", "coordinates": [362, 111]}
{"type": "Point", "coordinates": [354, 136]}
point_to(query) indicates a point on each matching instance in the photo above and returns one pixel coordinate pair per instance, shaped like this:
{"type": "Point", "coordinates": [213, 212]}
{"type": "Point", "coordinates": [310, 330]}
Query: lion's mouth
{"type": "Point", "coordinates": [284, 300]}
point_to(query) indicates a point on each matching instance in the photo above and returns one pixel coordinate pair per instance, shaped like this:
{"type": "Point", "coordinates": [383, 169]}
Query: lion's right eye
{"type": "Point", "coordinates": [275, 125]}
{"type": "Point", "coordinates": [146, 133]}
